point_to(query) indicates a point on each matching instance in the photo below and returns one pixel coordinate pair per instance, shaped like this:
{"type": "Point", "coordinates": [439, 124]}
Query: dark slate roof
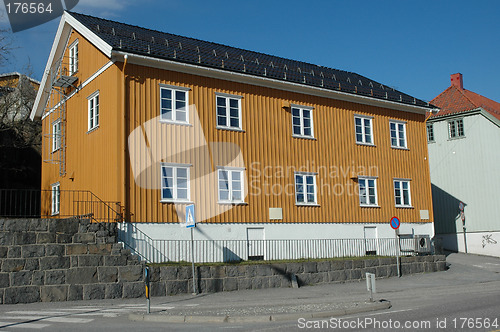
{"type": "Point", "coordinates": [156, 44]}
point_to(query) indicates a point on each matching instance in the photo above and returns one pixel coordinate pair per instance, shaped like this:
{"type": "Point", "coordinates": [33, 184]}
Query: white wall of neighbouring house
{"type": "Point", "coordinates": [467, 170]}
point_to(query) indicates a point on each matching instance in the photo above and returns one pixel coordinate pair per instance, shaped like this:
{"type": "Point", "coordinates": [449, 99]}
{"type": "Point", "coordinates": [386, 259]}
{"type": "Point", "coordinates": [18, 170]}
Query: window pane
{"type": "Point", "coordinates": [180, 116]}
{"type": "Point", "coordinates": [165, 93]}
{"type": "Point", "coordinates": [307, 123]}
{"type": "Point", "coordinates": [233, 103]}
{"type": "Point", "coordinates": [309, 179]}
{"type": "Point", "coordinates": [406, 197]}
{"type": "Point", "coordinates": [357, 121]}
{"type": "Point", "coordinates": [393, 127]}
{"type": "Point", "coordinates": [310, 198]}
{"type": "Point", "coordinates": [405, 185]}
{"type": "Point", "coordinates": [300, 198]}
{"type": "Point", "coordinates": [295, 112]}
{"type": "Point", "coordinates": [221, 121]}
{"type": "Point", "coordinates": [296, 120]}
{"type": "Point", "coordinates": [221, 101]}
{"type": "Point", "coordinates": [306, 114]}
{"type": "Point", "coordinates": [236, 195]}
{"type": "Point", "coordinates": [307, 132]}
{"type": "Point", "coordinates": [224, 195]}
{"type": "Point", "coordinates": [167, 171]}
{"type": "Point", "coordinates": [236, 175]}
{"type": "Point", "coordinates": [296, 130]}
{"type": "Point", "coordinates": [167, 193]}
{"type": "Point", "coordinates": [180, 105]}
{"type": "Point", "coordinates": [359, 138]}
{"type": "Point", "coordinates": [235, 123]}
{"type": "Point", "coordinates": [298, 179]}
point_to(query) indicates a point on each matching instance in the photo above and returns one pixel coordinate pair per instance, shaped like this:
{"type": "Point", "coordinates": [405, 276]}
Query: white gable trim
{"type": "Point", "coordinates": [66, 25]}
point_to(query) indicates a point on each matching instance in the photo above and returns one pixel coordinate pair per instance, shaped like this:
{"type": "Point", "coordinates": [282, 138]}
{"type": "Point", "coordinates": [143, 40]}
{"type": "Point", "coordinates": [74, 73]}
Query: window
{"type": "Point", "coordinates": [305, 189]}
{"type": "Point", "coordinates": [93, 111]}
{"type": "Point", "coordinates": [398, 134]}
{"type": "Point", "coordinates": [174, 183]}
{"type": "Point", "coordinates": [367, 191]}
{"type": "Point", "coordinates": [73, 58]}
{"type": "Point", "coordinates": [302, 122]}
{"type": "Point", "coordinates": [55, 198]}
{"type": "Point", "coordinates": [430, 132]}
{"type": "Point", "coordinates": [228, 111]}
{"type": "Point", "coordinates": [56, 135]}
{"type": "Point", "coordinates": [402, 193]}
{"type": "Point", "coordinates": [456, 128]}
{"type": "Point", "coordinates": [230, 185]}
{"type": "Point", "coordinates": [174, 104]}
{"type": "Point", "coordinates": [363, 128]}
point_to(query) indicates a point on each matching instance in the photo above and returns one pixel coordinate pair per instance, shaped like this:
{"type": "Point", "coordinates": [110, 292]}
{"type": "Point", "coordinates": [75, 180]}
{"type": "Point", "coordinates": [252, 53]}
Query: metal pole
{"type": "Point", "coordinates": [147, 279]}
{"type": "Point", "coordinates": [192, 262]}
{"type": "Point", "coordinates": [398, 245]}
{"type": "Point", "coordinates": [465, 239]}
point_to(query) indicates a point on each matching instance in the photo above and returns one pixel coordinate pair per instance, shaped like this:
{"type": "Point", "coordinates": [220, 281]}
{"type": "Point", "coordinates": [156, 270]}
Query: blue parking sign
{"type": "Point", "coordinates": [190, 220]}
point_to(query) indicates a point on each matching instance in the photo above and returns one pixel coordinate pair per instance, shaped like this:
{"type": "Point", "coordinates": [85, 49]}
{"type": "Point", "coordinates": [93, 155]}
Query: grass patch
{"type": "Point", "coordinates": [302, 260]}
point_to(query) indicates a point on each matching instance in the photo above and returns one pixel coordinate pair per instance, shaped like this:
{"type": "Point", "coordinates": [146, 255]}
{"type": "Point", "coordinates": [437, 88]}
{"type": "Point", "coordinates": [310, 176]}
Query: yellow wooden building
{"type": "Point", "coordinates": [265, 147]}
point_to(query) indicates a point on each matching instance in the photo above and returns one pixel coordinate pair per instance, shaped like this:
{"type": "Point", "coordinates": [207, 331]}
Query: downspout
{"type": "Point", "coordinates": [430, 183]}
{"type": "Point", "coordinates": [125, 180]}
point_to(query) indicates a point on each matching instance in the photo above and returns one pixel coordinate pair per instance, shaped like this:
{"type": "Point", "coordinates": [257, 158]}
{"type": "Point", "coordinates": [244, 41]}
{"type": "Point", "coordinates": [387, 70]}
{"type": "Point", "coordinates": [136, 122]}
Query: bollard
{"type": "Point", "coordinates": [147, 278]}
{"type": "Point", "coordinates": [370, 284]}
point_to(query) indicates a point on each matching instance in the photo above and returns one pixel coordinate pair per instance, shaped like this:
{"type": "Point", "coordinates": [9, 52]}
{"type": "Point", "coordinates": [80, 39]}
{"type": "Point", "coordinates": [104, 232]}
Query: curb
{"type": "Point", "coordinates": [258, 318]}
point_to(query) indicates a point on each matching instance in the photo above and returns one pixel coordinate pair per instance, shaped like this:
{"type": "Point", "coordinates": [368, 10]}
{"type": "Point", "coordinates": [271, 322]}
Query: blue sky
{"type": "Point", "coordinates": [411, 45]}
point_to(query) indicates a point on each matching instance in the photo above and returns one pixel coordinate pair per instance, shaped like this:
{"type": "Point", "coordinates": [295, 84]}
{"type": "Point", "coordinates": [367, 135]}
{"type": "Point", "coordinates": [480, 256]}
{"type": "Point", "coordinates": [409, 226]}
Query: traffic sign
{"type": "Point", "coordinates": [190, 221]}
{"type": "Point", "coordinates": [395, 223]}
{"type": "Point", "coordinates": [462, 215]}
{"type": "Point", "coordinates": [461, 206]}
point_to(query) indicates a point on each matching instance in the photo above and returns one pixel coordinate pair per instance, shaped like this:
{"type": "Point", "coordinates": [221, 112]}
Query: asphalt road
{"type": "Point", "coordinates": [464, 298]}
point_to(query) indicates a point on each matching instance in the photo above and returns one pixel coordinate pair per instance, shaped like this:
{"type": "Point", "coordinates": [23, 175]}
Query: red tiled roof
{"type": "Point", "coordinates": [455, 100]}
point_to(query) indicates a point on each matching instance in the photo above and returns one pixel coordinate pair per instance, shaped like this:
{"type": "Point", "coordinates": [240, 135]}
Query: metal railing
{"type": "Point", "coordinates": [34, 203]}
{"type": "Point", "coordinates": [210, 251]}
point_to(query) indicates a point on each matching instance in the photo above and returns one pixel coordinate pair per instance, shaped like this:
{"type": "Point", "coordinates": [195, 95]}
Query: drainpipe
{"type": "Point", "coordinates": [124, 118]}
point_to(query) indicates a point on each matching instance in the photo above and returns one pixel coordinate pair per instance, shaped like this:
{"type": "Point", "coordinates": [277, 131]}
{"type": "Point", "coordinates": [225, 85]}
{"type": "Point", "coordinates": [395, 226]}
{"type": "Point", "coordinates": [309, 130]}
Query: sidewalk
{"type": "Point", "coordinates": [264, 305]}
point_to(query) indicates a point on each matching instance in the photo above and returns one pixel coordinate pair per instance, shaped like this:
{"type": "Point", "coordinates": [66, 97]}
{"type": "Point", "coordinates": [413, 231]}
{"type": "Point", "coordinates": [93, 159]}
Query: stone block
{"type": "Point", "coordinates": [63, 238]}
{"type": "Point", "coordinates": [3, 251]}
{"type": "Point", "coordinates": [337, 265]}
{"type": "Point", "coordinates": [275, 281]}
{"type": "Point", "coordinates": [204, 272]}
{"type": "Point", "coordinates": [113, 291]}
{"type": "Point", "coordinates": [155, 273]}
{"type": "Point", "coordinates": [38, 225]}
{"type": "Point", "coordinates": [82, 275]}
{"type": "Point", "coordinates": [54, 263]}
{"type": "Point", "coordinates": [185, 272]}
{"type": "Point", "coordinates": [130, 273]}
{"type": "Point", "coordinates": [64, 226]}
{"type": "Point", "coordinates": [371, 262]}
{"type": "Point", "coordinates": [75, 293]}
{"type": "Point", "coordinates": [13, 264]}
{"type": "Point", "coordinates": [90, 260]}
{"type": "Point", "coordinates": [101, 249]}
{"type": "Point", "coordinates": [24, 294]}
{"type": "Point", "coordinates": [408, 259]}
{"type": "Point", "coordinates": [84, 238]}
{"type": "Point", "coordinates": [6, 238]}
{"type": "Point", "coordinates": [76, 249]}
{"type": "Point", "coordinates": [244, 283]}
{"type": "Point", "coordinates": [55, 277]}
{"type": "Point", "coordinates": [16, 225]}
{"type": "Point", "coordinates": [381, 272]}
{"type": "Point", "coordinates": [387, 260]}
{"type": "Point", "coordinates": [405, 269]}
{"type": "Point", "coordinates": [54, 249]}
{"type": "Point", "coordinates": [310, 267]}
{"type": "Point", "coordinates": [134, 289]}
{"type": "Point", "coordinates": [215, 272]}
{"type": "Point", "coordinates": [22, 278]}
{"type": "Point", "coordinates": [115, 260]}
{"type": "Point", "coordinates": [14, 252]}
{"type": "Point", "coordinates": [73, 261]}
{"type": "Point", "coordinates": [168, 273]}
{"type": "Point", "coordinates": [4, 280]}
{"type": "Point", "coordinates": [38, 278]}
{"type": "Point", "coordinates": [263, 270]}
{"type": "Point", "coordinates": [230, 284]}
{"type": "Point", "coordinates": [286, 282]}
{"type": "Point", "coordinates": [348, 264]}
{"type": "Point", "coordinates": [94, 291]}
{"type": "Point", "coordinates": [107, 274]}
{"type": "Point", "coordinates": [159, 288]}
{"type": "Point", "coordinates": [369, 270]}
{"type": "Point", "coordinates": [356, 274]}
{"type": "Point", "coordinates": [36, 250]}
{"type": "Point", "coordinates": [358, 264]}
{"type": "Point", "coordinates": [324, 266]}
{"type": "Point", "coordinates": [392, 270]}
{"type": "Point", "coordinates": [278, 269]}
{"type": "Point", "coordinates": [440, 266]}
{"type": "Point", "coordinates": [32, 264]}
{"type": "Point", "coordinates": [304, 279]}
{"type": "Point", "coordinates": [212, 285]}
{"type": "Point", "coordinates": [294, 268]}
{"type": "Point", "coordinates": [24, 238]}
{"type": "Point", "coordinates": [337, 276]}
{"type": "Point", "coordinates": [54, 293]}
{"type": "Point", "coordinates": [44, 238]}
{"type": "Point", "coordinates": [257, 283]}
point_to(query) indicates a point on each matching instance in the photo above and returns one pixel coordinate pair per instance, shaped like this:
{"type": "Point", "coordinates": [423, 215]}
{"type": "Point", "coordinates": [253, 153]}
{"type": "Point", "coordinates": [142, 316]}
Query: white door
{"type": "Point", "coordinates": [256, 243]}
{"type": "Point", "coordinates": [370, 240]}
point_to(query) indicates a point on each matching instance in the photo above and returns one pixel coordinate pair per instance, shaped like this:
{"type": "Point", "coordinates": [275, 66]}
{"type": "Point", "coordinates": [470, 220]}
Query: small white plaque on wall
{"type": "Point", "coordinates": [424, 214]}
{"type": "Point", "coordinates": [276, 213]}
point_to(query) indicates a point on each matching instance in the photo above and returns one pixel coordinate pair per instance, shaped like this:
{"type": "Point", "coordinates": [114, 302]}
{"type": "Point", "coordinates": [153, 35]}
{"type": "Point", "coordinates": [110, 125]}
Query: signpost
{"type": "Point", "coordinates": [395, 223]}
{"type": "Point", "coordinates": [191, 223]}
{"type": "Point", "coordinates": [462, 216]}
{"type": "Point", "coordinates": [147, 280]}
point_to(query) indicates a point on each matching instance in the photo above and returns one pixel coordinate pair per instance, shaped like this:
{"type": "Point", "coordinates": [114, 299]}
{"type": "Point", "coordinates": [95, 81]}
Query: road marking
{"type": "Point", "coordinates": [59, 319]}
{"type": "Point", "coordinates": [191, 305]}
{"type": "Point", "coordinates": [496, 264]}
{"type": "Point", "coordinates": [23, 325]}
{"type": "Point", "coordinates": [378, 313]}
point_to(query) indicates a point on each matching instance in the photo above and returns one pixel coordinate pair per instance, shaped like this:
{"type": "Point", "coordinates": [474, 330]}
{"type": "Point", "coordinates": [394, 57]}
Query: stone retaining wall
{"type": "Point", "coordinates": [68, 259]}
{"type": "Point", "coordinates": [74, 259]}
{"type": "Point", "coordinates": [171, 280]}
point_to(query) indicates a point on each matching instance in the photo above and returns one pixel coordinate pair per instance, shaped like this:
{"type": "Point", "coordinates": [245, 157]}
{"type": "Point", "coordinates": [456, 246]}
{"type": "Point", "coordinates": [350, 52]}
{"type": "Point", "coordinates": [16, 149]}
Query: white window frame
{"type": "Point", "coordinates": [56, 135]}
{"type": "Point", "coordinates": [175, 187]}
{"type": "Point", "coordinates": [367, 195]}
{"type": "Point", "coordinates": [397, 130]}
{"type": "Point", "coordinates": [304, 176]}
{"type": "Point", "coordinates": [455, 123]}
{"type": "Point", "coordinates": [230, 171]}
{"type": "Point", "coordinates": [55, 198]}
{"type": "Point", "coordinates": [402, 203]}
{"type": "Point", "coordinates": [227, 108]}
{"type": "Point", "coordinates": [301, 118]}
{"type": "Point", "coordinates": [73, 58]}
{"type": "Point", "coordinates": [94, 120]}
{"type": "Point", "coordinates": [173, 90]}
{"type": "Point", "coordinates": [363, 130]}
{"type": "Point", "coordinates": [430, 132]}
